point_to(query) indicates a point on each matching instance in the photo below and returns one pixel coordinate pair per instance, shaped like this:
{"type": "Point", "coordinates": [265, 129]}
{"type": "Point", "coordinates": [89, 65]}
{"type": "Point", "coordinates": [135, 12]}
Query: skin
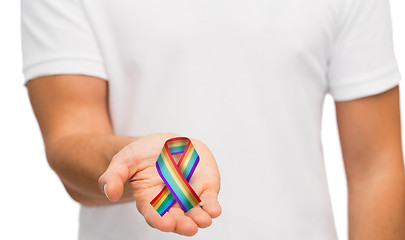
{"type": "Point", "coordinates": [81, 148]}
{"type": "Point", "coordinates": [370, 135]}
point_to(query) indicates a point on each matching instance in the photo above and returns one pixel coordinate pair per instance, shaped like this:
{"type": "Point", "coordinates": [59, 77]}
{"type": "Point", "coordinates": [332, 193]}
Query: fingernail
{"type": "Point", "coordinates": [105, 186]}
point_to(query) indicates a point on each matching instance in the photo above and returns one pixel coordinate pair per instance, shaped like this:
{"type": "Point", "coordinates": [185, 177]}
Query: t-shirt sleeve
{"type": "Point", "coordinates": [58, 39]}
{"type": "Point", "coordinates": [362, 61]}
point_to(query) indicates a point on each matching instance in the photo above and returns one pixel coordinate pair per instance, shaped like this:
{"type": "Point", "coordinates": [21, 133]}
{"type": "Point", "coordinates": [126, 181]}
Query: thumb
{"type": "Point", "coordinates": [118, 172]}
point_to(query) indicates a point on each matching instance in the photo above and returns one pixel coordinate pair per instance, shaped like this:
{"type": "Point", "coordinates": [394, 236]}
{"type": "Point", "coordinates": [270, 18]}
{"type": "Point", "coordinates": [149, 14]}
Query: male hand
{"type": "Point", "coordinates": [135, 165]}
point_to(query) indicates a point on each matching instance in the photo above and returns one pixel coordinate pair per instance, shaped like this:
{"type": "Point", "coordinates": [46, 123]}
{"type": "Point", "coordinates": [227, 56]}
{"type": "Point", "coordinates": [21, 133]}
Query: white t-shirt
{"type": "Point", "coordinates": [247, 77]}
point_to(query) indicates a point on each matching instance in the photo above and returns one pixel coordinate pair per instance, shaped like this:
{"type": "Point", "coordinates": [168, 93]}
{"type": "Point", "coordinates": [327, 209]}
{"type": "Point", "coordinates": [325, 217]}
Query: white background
{"type": "Point", "coordinates": [34, 204]}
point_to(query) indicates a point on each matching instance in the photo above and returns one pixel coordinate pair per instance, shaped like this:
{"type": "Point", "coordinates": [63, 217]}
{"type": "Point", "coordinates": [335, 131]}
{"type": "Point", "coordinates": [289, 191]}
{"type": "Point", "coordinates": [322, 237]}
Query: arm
{"type": "Point", "coordinates": [80, 146]}
{"type": "Point", "coordinates": [72, 113]}
{"type": "Point", "coordinates": [370, 136]}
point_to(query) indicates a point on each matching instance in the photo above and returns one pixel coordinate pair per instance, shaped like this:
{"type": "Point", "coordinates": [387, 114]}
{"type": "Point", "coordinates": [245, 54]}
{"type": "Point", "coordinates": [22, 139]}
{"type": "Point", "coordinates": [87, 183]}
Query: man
{"type": "Point", "coordinates": [110, 81]}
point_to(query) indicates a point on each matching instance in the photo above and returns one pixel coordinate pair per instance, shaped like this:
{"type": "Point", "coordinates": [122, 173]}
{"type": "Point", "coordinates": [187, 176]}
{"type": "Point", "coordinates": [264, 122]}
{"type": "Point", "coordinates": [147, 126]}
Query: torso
{"type": "Point", "coordinates": [245, 77]}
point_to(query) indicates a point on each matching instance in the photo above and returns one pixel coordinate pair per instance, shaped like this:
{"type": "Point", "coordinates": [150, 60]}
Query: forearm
{"type": "Point", "coordinates": [72, 112]}
{"type": "Point", "coordinates": [79, 160]}
{"type": "Point", "coordinates": [377, 205]}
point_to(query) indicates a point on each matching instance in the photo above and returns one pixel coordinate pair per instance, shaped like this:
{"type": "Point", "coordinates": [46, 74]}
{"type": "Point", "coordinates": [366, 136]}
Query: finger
{"type": "Point", "coordinates": [199, 216]}
{"type": "Point", "coordinates": [121, 168]}
{"type": "Point", "coordinates": [112, 181]}
{"type": "Point", "coordinates": [165, 223]}
{"type": "Point", "coordinates": [184, 224]}
{"type": "Point", "coordinates": [209, 203]}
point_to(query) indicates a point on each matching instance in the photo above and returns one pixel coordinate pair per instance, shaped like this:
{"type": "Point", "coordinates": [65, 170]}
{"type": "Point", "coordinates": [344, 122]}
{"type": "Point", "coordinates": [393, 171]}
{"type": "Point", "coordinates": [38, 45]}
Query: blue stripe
{"type": "Point", "coordinates": [169, 178]}
{"type": "Point", "coordinates": [190, 164]}
{"type": "Point", "coordinates": [160, 171]}
{"type": "Point", "coordinates": [168, 202]}
{"type": "Point", "coordinates": [177, 149]}
{"type": "Point", "coordinates": [176, 188]}
{"type": "Point", "coordinates": [179, 193]}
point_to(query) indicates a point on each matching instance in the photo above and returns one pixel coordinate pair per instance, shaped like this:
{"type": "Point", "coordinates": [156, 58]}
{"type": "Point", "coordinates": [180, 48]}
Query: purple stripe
{"type": "Point", "coordinates": [167, 209]}
{"type": "Point", "coordinates": [169, 187]}
{"type": "Point", "coordinates": [176, 152]}
{"type": "Point", "coordinates": [193, 168]}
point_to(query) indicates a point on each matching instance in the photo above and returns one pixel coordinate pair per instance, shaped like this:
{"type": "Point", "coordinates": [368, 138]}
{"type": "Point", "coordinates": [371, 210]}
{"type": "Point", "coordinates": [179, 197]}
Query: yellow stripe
{"type": "Point", "coordinates": [164, 195]}
{"type": "Point", "coordinates": [175, 175]}
{"type": "Point", "coordinates": [186, 158]}
{"type": "Point", "coordinates": [177, 143]}
{"type": "Point", "coordinates": [177, 179]}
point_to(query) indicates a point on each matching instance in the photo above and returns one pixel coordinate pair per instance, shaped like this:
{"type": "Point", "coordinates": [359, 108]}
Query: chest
{"type": "Point", "coordinates": [277, 25]}
{"type": "Point", "coordinates": [265, 40]}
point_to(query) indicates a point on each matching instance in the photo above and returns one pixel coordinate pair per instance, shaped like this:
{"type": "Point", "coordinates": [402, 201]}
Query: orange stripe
{"type": "Point", "coordinates": [178, 141]}
{"type": "Point", "coordinates": [180, 180]}
{"type": "Point", "coordinates": [161, 194]}
{"type": "Point", "coordinates": [188, 192]}
{"type": "Point", "coordinates": [163, 198]}
{"type": "Point", "coordinates": [184, 160]}
{"type": "Point", "coordinates": [182, 166]}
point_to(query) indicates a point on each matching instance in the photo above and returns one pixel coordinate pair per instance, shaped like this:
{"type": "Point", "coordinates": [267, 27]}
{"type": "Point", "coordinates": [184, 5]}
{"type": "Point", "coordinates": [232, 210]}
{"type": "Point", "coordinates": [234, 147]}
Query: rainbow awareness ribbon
{"type": "Point", "coordinates": [176, 176]}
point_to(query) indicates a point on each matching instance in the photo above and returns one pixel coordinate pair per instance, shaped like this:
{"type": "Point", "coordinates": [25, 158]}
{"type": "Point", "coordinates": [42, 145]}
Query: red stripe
{"type": "Point", "coordinates": [156, 198]}
{"type": "Point", "coordinates": [181, 175]}
{"type": "Point", "coordinates": [183, 154]}
{"type": "Point", "coordinates": [181, 159]}
{"type": "Point", "coordinates": [175, 139]}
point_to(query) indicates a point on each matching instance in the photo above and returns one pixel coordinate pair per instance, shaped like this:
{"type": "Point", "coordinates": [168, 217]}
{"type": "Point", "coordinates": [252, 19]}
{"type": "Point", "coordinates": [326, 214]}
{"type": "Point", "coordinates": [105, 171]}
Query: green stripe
{"type": "Point", "coordinates": [177, 149]}
{"type": "Point", "coordinates": [169, 178]}
{"type": "Point", "coordinates": [169, 199]}
{"type": "Point", "coordinates": [180, 194]}
{"type": "Point", "coordinates": [190, 164]}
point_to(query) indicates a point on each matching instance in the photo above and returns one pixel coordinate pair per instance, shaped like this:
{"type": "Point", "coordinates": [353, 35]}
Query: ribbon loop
{"type": "Point", "coordinates": [176, 176]}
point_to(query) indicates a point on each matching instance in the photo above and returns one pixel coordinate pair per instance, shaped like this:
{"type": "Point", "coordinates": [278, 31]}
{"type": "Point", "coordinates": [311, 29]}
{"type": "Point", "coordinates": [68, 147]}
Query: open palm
{"type": "Point", "coordinates": [135, 165]}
